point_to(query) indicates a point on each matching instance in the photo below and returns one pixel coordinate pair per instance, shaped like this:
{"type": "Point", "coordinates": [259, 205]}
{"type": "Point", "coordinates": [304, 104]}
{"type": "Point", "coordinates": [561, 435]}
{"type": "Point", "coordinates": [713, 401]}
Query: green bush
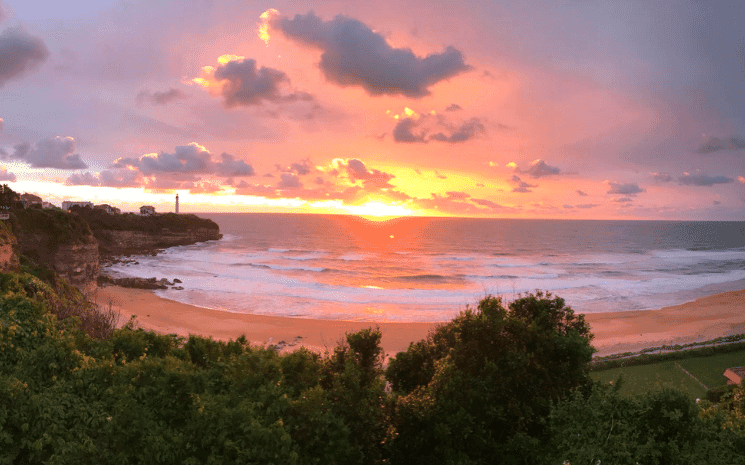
{"type": "Point", "coordinates": [661, 427]}
{"type": "Point", "coordinates": [52, 227]}
{"type": "Point", "coordinates": [495, 385]}
{"type": "Point", "coordinates": [99, 220]}
{"type": "Point", "coordinates": [481, 387]}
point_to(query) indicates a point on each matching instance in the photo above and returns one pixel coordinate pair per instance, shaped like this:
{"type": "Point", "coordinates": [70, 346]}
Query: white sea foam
{"type": "Point", "coordinates": [322, 275]}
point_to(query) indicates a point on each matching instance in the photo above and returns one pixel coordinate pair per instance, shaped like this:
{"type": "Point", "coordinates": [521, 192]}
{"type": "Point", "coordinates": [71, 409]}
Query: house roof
{"type": "Point", "coordinates": [31, 197]}
{"type": "Point", "coordinates": [735, 374]}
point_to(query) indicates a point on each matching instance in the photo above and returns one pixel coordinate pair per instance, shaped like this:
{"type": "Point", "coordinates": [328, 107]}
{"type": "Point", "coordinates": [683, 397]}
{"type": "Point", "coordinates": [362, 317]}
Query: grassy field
{"type": "Point", "coordinates": [708, 370]}
{"type": "Point", "coordinates": [644, 378]}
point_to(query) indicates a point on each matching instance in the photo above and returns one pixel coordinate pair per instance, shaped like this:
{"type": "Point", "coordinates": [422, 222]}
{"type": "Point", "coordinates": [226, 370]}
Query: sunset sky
{"type": "Point", "coordinates": [561, 109]}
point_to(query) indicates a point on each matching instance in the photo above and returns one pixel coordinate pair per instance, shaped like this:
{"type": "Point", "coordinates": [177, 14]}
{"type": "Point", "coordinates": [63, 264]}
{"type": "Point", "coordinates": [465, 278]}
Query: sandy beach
{"type": "Point", "coordinates": [705, 318]}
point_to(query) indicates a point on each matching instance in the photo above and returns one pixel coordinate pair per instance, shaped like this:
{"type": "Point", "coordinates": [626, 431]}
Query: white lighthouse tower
{"type": "Point", "coordinates": [176, 203]}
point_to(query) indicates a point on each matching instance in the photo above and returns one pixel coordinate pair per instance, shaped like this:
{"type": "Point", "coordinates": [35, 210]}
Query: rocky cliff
{"type": "Point", "coordinates": [114, 242]}
{"type": "Point", "coordinates": [78, 264]}
{"type": "Point", "coordinates": [8, 250]}
{"type": "Point", "coordinates": [59, 241]}
{"type": "Point", "coordinates": [130, 234]}
{"type": "Point", "coordinates": [66, 244]}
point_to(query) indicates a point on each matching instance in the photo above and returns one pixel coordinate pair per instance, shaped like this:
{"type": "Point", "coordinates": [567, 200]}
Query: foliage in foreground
{"type": "Point", "coordinates": [480, 388]}
{"type": "Point", "coordinates": [494, 385]}
{"type": "Point", "coordinates": [661, 427]}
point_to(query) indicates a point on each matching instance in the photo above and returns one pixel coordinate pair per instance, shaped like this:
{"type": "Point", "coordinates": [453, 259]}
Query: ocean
{"type": "Point", "coordinates": [430, 269]}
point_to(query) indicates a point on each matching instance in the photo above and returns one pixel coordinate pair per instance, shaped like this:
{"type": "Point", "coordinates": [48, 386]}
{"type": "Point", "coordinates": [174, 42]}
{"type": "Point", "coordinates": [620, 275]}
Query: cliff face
{"type": "Point", "coordinates": [140, 242]}
{"type": "Point", "coordinates": [68, 245]}
{"type": "Point", "coordinates": [8, 251]}
{"type": "Point", "coordinates": [60, 241]}
{"type": "Point", "coordinates": [78, 265]}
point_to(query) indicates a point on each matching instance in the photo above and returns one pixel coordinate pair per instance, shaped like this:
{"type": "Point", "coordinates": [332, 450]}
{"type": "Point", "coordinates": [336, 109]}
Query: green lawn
{"type": "Point", "coordinates": [644, 378]}
{"type": "Point", "coordinates": [709, 370]}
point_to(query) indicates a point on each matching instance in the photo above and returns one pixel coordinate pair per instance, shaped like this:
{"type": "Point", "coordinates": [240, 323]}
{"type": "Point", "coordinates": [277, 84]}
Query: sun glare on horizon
{"type": "Point", "coordinates": [378, 211]}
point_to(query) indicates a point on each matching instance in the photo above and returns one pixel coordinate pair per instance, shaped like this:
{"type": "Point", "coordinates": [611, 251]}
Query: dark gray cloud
{"type": "Point", "coordinates": [520, 185]}
{"type": "Point", "coordinates": [230, 166]}
{"type": "Point", "coordinates": [120, 178]}
{"type": "Point", "coordinates": [703, 179]}
{"type": "Point", "coordinates": [354, 55]}
{"type": "Point", "coordinates": [83, 179]}
{"type": "Point", "coordinates": [422, 130]}
{"type": "Point", "coordinates": [539, 168]}
{"type": "Point", "coordinates": [106, 178]}
{"type": "Point", "coordinates": [622, 199]}
{"type": "Point", "coordinates": [404, 132]}
{"type": "Point", "coordinates": [624, 189]}
{"type": "Point", "coordinates": [160, 98]}
{"type": "Point", "coordinates": [581, 193]}
{"type": "Point", "coordinates": [715, 144]}
{"type": "Point", "coordinates": [5, 175]}
{"type": "Point", "coordinates": [453, 107]}
{"type": "Point", "coordinates": [588, 205]}
{"type": "Point", "coordinates": [357, 170]}
{"type": "Point", "coordinates": [289, 181]}
{"type": "Point", "coordinates": [245, 84]}
{"type": "Point", "coordinates": [301, 168]}
{"type": "Point", "coordinates": [192, 158]}
{"type": "Point", "coordinates": [20, 53]}
{"type": "Point", "coordinates": [465, 132]}
{"type": "Point", "coordinates": [661, 177]}
{"type": "Point", "coordinates": [53, 152]}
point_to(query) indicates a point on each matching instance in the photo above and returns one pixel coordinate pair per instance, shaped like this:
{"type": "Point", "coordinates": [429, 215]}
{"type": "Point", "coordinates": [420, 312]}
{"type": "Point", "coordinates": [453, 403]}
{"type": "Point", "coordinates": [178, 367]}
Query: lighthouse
{"type": "Point", "coordinates": [176, 203]}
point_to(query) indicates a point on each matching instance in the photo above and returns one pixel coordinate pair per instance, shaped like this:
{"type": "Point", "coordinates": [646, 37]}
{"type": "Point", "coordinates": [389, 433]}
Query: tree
{"type": "Point", "coordinates": [480, 388]}
{"type": "Point", "coordinates": [659, 427]}
{"type": "Point", "coordinates": [8, 197]}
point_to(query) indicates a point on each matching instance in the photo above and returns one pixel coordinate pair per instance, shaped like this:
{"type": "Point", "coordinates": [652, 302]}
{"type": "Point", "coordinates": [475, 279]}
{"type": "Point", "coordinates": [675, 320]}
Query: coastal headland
{"type": "Point", "coordinates": [615, 332]}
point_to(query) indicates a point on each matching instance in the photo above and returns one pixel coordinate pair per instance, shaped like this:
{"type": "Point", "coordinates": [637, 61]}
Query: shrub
{"type": "Point", "coordinates": [481, 387]}
{"type": "Point", "coordinates": [660, 427]}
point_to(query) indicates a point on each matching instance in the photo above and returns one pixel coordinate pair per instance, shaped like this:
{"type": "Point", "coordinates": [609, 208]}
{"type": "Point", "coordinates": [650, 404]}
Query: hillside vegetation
{"type": "Point", "coordinates": [100, 220]}
{"type": "Point", "coordinates": [55, 226]}
{"type": "Point", "coordinates": [496, 385]}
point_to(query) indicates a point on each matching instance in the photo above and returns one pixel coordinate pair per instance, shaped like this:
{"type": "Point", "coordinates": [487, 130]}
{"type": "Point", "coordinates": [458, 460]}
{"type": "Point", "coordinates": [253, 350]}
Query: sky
{"type": "Point", "coordinates": [564, 109]}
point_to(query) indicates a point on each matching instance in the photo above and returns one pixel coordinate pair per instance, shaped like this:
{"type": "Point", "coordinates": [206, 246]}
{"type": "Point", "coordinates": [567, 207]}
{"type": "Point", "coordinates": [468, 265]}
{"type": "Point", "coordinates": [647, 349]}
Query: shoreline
{"type": "Point", "coordinates": [705, 318]}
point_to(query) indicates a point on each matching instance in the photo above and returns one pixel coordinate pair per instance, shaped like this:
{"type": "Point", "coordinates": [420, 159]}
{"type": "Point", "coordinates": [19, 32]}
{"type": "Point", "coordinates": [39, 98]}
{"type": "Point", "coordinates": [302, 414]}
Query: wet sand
{"type": "Point", "coordinates": [615, 332]}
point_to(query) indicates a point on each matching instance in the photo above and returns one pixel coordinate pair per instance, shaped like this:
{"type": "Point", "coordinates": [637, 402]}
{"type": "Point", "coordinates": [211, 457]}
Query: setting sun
{"type": "Point", "coordinates": [378, 210]}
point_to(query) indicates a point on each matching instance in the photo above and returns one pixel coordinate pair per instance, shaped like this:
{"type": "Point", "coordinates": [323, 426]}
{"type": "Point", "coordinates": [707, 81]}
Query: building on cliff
{"type": "Point", "coordinates": [108, 209]}
{"type": "Point", "coordinates": [147, 210]}
{"type": "Point", "coordinates": [67, 204]}
{"type": "Point", "coordinates": [30, 200]}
